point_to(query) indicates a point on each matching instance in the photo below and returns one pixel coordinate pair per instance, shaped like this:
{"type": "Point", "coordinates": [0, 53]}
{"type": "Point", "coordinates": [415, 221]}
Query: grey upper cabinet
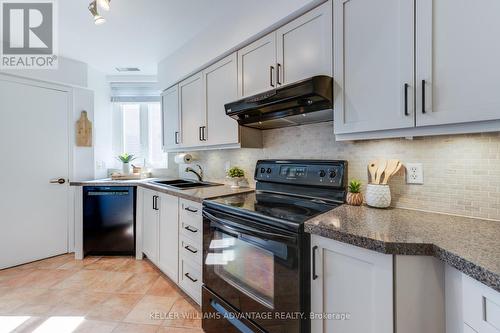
{"type": "Point", "coordinates": [457, 61]}
{"type": "Point", "coordinates": [171, 118]}
{"type": "Point", "coordinates": [374, 65]}
{"type": "Point", "coordinates": [257, 66]}
{"type": "Point", "coordinates": [304, 46]}
{"type": "Point", "coordinates": [193, 112]}
{"type": "Point", "coordinates": [221, 87]}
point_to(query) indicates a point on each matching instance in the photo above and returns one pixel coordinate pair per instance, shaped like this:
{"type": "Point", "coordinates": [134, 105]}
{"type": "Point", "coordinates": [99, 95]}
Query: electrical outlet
{"type": "Point", "coordinates": [414, 173]}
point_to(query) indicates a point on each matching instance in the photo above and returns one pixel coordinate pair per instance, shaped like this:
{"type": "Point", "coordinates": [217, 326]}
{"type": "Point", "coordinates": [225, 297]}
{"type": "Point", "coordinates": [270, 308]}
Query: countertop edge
{"type": "Point", "coordinates": [475, 271]}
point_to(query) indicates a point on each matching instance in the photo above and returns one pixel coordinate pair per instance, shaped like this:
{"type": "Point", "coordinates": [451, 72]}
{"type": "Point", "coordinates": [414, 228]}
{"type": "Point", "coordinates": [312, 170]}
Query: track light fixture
{"type": "Point", "coordinates": [104, 4]}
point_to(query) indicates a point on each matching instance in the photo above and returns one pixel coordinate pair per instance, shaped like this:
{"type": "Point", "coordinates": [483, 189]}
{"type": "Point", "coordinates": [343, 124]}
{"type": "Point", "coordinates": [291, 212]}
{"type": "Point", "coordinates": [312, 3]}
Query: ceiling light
{"type": "Point", "coordinates": [98, 19]}
{"type": "Point", "coordinates": [128, 69]}
{"type": "Point", "coordinates": [104, 4]}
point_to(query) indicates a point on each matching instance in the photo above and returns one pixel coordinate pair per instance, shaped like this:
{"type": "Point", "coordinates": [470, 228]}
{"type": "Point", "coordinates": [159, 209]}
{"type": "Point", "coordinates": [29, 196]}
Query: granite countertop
{"type": "Point", "coordinates": [193, 194]}
{"type": "Point", "coordinates": [470, 245]}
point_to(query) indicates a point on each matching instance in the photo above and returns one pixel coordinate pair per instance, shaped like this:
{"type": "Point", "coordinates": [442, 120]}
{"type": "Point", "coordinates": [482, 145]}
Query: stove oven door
{"type": "Point", "coordinates": [254, 269]}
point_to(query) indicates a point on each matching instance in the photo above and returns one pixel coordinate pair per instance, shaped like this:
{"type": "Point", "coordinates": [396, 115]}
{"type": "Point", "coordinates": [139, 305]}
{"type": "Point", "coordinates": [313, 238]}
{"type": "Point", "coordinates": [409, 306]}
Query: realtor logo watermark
{"type": "Point", "coordinates": [28, 34]}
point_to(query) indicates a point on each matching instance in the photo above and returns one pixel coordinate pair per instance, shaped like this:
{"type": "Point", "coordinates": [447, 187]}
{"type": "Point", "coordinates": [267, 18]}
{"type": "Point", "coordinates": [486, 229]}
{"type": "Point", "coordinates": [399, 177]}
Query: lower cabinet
{"type": "Point", "coordinates": [481, 307]}
{"type": "Point", "coordinates": [351, 288]}
{"type": "Point", "coordinates": [172, 238]}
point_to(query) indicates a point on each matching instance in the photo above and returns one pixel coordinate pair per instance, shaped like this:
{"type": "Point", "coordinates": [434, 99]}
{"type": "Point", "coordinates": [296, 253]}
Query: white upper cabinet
{"type": "Point", "coordinates": [373, 65]}
{"type": "Point", "coordinates": [257, 66]}
{"type": "Point", "coordinates": [193, 111]}
{"type": "Point", "coordinates": [304, 46]}
{"type": "Point", "coordinates": [221, 87]}
{"type": "Point", "coordinates": [457, 61]}
{"type": "Point", "coordinates": [171, 119]}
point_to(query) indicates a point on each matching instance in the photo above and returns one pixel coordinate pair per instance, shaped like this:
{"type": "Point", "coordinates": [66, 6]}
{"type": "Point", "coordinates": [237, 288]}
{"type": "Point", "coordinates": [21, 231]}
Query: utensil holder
{"type": "Point", "coordinates": [378, 196]}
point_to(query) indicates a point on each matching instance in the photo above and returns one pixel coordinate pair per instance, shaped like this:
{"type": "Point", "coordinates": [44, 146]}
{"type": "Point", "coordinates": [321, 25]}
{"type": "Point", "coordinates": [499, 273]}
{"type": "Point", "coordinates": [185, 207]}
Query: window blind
{"type": "Point", "coordinates": [135, 92]}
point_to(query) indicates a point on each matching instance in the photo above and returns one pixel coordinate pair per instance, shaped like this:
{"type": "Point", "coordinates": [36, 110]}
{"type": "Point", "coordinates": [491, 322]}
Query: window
{"type": "Point", "coordinates": [138, 131]}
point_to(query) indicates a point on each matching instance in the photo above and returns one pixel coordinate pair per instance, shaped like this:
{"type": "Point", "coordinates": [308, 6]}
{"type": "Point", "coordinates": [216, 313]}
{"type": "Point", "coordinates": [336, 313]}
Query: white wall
{"type": "Point", "coordinates": [69, 72]}
{"type": "Point", "coordinates": [251, 18]}
{"type": "Point", "coordinates": [103, 152]}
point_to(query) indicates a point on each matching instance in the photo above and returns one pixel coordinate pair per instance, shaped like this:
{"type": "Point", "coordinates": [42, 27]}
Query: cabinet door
{"type": "Point", "coordinates": [351, 280]}
{"type": "Point", "coordinates": [193, 113]}
{"type": "Point", "coordinates": [221, 87]}
{"type": "Point", "coordinates": [373, 65]}
{"type": "Point", "coordinates": [170, 118]}
{"type": "Point", "coordinates": [150, 225]}
{"type": "Point", "coordinates": [168, 260]}
{"type": "Point", "coordinates": [257, 66]}
{"type": "Point", "coordinates": [458, 76]}
{"type": "Point", "coordinates": [304, 46]}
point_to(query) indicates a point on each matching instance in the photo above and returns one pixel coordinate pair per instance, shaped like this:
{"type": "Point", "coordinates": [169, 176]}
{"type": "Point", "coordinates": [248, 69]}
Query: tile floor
{"type": "Point", "coordinates": [94, 295]}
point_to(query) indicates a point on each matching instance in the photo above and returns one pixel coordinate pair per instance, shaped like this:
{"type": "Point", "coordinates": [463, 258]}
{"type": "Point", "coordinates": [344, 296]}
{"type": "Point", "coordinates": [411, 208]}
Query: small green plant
{"type": "Point", "coordinates": [355, 186]}
{"type": "Point", "coordinates": [126, 157]}
{"type": "Point", "coordinates": [235, 172]}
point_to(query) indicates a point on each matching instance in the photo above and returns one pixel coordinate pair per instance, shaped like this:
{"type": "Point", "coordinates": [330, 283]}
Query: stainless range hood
{"type": "Point", "coordinates": [304, 102]}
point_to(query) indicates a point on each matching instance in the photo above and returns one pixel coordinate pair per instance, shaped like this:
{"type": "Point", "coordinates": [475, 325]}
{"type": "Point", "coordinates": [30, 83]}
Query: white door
{"type": "Point", "coordinates": [304, 46]}
{"type": "Point", "coordinates": [168, 259]}
{"type": "Point", "coordinates": [35, 150]}
{"type": "Point", "coordinates": [193, 113]}
{"type": "Point", "coordinates": [457, 61]}
{"type": "Point", "coordinates": [170, 109]}
{"type": "Point", "coordinates": [257, 66]}
{"type": "Point", "coordinates": [373, 65]}
{"type": "Point", "coordinates": [351, 280]}
{"type": "Point", "coordinates": [221, 87]}
{"type": "Point", "coordinates": [150, 206]}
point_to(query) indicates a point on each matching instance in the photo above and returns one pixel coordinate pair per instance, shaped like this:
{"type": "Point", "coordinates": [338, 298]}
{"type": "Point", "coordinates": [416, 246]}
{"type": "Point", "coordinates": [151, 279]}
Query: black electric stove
{"type": "Point", "coordinates": [256, 256]}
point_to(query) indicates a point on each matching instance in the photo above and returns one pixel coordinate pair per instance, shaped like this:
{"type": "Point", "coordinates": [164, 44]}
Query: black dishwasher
{"type": "Point", "coordinates": [109, 220]}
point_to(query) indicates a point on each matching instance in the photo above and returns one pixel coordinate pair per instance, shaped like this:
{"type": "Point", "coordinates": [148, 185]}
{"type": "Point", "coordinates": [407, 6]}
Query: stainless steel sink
{"type": "Point", "coordinates": [183, 184]}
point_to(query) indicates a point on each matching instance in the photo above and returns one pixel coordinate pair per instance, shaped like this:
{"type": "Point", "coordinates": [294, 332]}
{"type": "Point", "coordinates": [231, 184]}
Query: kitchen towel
{"type": "Point", "coordinates": [183, 158]}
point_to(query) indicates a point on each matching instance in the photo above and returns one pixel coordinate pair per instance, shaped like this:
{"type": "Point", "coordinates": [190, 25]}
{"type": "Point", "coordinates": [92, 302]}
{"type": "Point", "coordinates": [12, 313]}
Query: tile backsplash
{"type": "Point", "coordinates": [461, 173]}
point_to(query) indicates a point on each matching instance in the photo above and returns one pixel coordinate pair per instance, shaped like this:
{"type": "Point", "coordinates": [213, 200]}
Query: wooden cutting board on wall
{"type": "Point", "coordinates": [84, 131]}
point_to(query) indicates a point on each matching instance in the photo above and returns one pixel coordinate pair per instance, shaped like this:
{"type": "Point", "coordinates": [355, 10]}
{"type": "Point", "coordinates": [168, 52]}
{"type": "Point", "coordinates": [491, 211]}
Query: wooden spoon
{"type": "Point", "coordinates": [372, 170]}
{"type": "Point", "coordinates": [381, 165]}
{"type": "Point", "coordinates": [392, 166]}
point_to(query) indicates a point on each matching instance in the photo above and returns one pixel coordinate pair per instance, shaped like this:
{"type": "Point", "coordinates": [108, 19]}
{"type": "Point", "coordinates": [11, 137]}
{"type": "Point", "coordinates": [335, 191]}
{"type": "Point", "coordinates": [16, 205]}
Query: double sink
{"type": "Point", "coordinates": [184, 184]}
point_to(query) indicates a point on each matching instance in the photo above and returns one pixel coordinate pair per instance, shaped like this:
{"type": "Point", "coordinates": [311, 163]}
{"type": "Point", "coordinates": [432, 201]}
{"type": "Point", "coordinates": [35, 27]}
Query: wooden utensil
{"type": "Point", "coordinates": [392, 166]}
{"type": "Point", "coordinates": [372, 170]}
{"type": "Point", "coordinates": [381, 165]}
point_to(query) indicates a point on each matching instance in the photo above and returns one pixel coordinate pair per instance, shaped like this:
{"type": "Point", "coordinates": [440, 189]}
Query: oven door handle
{"type": "Point", "coordinates": [232, 227]}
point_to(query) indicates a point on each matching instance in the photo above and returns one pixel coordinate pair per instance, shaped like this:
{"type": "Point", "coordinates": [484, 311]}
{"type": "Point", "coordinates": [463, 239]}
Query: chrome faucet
{"type": "Point", "coordinates": [198, 174]}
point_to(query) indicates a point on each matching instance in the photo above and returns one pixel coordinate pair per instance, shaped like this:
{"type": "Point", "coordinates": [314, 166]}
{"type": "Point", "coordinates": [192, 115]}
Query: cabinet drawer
{"type": "Point", "coordinates": [190, 250]}
{"type": "Point", "coordinates": [481, 306]}
{"type": "Point", "coordinates": [190, 279]}
{"type": "Point", "coordinates": [190, 212]}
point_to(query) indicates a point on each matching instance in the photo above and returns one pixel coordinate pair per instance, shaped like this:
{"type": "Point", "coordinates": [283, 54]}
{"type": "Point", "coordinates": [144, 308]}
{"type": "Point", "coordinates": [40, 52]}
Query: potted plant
{"type": "Point", "coordinates": [235, 174]}
{"type": "Point", "coordinates": [126, 158]}
{"type": "Point", "coordinates": [354, 196]}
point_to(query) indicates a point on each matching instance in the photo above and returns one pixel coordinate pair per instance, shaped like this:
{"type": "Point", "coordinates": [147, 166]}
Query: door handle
{"type": "Point", "coordinates": [59, 181]}
{"type": "Point", "coordinates": [190, 249]}
{"type": "Point", "coordinates": [190, 278]}
{"type": "Point", "coordinates": [271, 75]}
{"type": "Point", "coordinates": [315, 276]}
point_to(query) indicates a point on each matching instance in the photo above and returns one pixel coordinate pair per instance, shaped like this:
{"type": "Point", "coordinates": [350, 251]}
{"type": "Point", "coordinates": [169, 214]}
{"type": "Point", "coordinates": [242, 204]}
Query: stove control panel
{"type": "Point", "coordinates": [302, 172]}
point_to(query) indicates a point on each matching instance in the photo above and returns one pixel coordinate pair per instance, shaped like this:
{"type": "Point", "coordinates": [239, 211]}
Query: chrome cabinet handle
{"type": "Point", "coordinates": [191, 249]}
{"type": "Point", "coordinates": [188, 228]}
{"type": "Point", "coordinates": [59, 181]}
{"type": "Point", "coordinates": [176, 138]}
{"type": "Point", "coordinates": [271, 75]}
{"type": "Point", "coordinates": [278, 74]}
{"type": "Point", "coordinates": [190, 278]}
{"type": "Point", "coordinates": [406, 99]}
{"type": "Point", "coordinates": [423, 96]}
{"type": "Point", "coordinates": [189, 209]}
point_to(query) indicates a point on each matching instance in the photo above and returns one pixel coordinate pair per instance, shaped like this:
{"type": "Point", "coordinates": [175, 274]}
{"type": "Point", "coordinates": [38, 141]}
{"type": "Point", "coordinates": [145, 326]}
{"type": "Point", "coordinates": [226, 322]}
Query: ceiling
{"type": "Point", "coordinates": [138, 33]}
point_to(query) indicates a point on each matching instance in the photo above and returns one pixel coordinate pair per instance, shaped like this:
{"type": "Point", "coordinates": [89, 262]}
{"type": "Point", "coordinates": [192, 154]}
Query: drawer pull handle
{"type": "Point", "coordinates": [189, 209]}
{"type": "Point", "coordinates": [190, 249]}
{"type": "Point", "coordinates": [193, 230]}
{"type": "Point", "coordinates": [190, 278]}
